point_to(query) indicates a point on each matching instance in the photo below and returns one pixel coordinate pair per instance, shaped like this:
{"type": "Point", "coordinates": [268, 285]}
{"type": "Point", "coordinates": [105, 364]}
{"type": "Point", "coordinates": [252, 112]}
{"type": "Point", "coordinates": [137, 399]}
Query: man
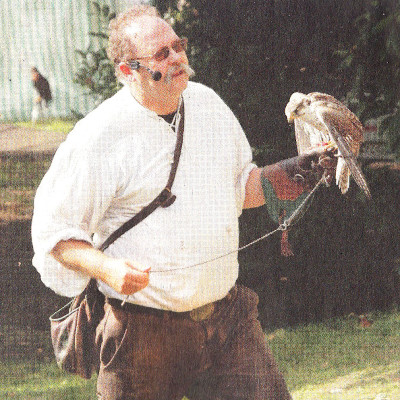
{"type": "Point", "coordinates": [186, 328]}
{"type": "Point", "coordinates": [44, 97]}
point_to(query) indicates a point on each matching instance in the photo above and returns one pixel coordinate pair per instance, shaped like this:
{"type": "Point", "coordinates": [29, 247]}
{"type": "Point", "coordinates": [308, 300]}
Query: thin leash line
{"type": "Point", "coordinates": [282, 227]}
{"type": "Point", "coordinates": [159, 271]}
{"type": "Point", "coordinates": [289, 221]}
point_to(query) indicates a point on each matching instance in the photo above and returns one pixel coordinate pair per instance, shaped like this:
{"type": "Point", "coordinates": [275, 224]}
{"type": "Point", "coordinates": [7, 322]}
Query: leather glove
{"type": "Point", "coordinates": [308, 168]}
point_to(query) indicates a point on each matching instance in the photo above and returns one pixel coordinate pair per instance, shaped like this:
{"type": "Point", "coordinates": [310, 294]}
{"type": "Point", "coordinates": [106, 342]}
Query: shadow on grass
{"type": "Point", "coordinates": [25, 302]}
{"type": "Point", "coordinates": [27, 367]}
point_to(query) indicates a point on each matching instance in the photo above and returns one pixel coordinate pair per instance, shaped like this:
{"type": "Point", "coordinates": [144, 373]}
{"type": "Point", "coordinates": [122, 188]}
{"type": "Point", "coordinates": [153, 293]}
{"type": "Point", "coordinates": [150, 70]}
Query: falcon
{"type": "Point", "coordinates": [320, 119]}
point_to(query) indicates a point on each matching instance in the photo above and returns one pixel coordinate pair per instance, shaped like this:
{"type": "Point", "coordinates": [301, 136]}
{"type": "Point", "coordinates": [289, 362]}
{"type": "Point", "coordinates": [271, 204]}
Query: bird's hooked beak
{"type": "Point", "coordinates": [290, 118]}
{"type": "Point", "coordinates": [296, 102]}
{"type": "Point", "coordinates": [290, 114]}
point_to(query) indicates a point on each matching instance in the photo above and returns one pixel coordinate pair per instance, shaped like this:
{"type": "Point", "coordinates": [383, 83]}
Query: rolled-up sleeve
{"type": "Point", "coordinates": [244, 165]}
{"type": "Point", "coordinates": [69, 203]}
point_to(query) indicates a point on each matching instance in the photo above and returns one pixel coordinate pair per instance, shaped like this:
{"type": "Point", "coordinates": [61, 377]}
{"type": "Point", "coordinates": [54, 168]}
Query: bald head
{"type": "Point", "coordinates": [124, 30]}
{"type": "Point", "coordinates": [144, 23]}
{"type": "Point", "coordinates": [147, 30]}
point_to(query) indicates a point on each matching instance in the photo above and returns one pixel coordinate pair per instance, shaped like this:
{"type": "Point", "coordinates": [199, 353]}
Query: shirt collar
{"type": "Point", "coordinates": [134, 103]}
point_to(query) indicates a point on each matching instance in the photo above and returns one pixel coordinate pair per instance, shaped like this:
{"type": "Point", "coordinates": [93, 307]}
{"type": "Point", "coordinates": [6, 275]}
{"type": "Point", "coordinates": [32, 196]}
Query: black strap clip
{"type": "Point", "coordinates": [166, 198]}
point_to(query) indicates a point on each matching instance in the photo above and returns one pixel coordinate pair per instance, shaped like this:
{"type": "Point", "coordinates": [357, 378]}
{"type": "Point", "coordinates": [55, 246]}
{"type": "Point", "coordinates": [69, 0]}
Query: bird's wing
{"type": "Point", "coordinates": [346, 131]}
{"type": "Point", "coordinates": [302, 135]}
{"type": "Point", "coordinates": [307, 136]}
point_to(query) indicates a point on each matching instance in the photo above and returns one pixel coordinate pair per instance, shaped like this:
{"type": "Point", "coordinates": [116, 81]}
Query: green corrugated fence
{"type": "Point", "coordinates": [45, 34]}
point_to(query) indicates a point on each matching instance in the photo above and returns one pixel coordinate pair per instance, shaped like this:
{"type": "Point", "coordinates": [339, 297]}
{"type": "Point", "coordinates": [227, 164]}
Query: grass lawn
{"type": "Point", "coordinates": [335, 360]}
{"type": "Point", "coordinates": [341, 360]}
{"type": "Point", "coordinates": [52, 124]}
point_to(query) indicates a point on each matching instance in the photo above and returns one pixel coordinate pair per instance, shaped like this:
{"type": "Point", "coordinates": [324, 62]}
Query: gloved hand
{"type": "Point", "coordinates": [308, 168]}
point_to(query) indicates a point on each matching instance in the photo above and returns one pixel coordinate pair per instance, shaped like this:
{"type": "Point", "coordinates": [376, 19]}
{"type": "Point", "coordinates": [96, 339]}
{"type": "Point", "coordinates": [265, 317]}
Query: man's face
{"type": "Point", "coordinates": [152, 35]}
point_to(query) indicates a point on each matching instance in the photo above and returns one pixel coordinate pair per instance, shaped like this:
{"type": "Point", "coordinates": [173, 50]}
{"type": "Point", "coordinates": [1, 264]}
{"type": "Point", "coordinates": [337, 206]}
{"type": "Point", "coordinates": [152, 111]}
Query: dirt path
{"type": "Point", "coordinates": [14, 139]}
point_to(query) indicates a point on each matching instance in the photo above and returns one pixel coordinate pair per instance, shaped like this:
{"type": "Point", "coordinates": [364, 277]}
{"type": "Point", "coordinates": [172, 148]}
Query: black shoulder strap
{"type": "Point", "coordinates": [164, 199]}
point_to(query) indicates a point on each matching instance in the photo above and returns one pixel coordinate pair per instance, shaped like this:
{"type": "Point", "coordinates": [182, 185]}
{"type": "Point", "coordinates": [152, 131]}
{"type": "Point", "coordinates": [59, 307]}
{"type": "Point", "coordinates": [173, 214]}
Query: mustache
{"type": "Point", "coordinates": [182, 66]}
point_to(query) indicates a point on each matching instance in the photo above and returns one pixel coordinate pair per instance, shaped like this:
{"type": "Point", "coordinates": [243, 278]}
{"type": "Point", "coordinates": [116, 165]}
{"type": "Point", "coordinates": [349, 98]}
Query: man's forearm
{"type": "Point", "coordinates": [120, 274]}
{"type": "Point", "coordinates": [81, 256]}
{"type": "Point", "coordinates": [254, 193]}
{"type": "Point", "coordinates": [284, 186]}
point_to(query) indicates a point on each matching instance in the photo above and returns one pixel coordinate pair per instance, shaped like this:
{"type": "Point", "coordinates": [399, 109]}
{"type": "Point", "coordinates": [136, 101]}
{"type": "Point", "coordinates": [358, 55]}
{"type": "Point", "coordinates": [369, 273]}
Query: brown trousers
{"type": "Point", "coordinates": [162, 355]}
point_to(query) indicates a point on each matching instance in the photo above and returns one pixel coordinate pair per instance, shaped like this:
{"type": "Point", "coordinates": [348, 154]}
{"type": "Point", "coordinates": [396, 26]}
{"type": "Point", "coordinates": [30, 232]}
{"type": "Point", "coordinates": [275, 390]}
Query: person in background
{"type": "Point", "coordinates": [176, 322]}
{"type": "Point", "coordinates": [42, 100]}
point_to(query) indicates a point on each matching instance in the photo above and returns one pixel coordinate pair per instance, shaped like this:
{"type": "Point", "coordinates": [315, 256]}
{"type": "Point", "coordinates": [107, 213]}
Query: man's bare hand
{"type": "Point", "coordinates": [123, 276]}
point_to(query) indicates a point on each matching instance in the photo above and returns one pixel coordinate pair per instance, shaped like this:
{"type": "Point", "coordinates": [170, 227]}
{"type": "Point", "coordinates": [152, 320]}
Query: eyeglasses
{"type": "Point", "coordinates": [162, 54]}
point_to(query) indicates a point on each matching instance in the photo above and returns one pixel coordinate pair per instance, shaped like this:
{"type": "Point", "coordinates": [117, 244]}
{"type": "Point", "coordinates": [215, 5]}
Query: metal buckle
{"type": "Point", "coordinates": [166, 198]}
{"type": "Point", "coordinates": [203, 312]}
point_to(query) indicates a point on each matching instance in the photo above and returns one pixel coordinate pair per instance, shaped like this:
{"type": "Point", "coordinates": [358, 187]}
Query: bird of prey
{"type": "Point", "coordinates": [320, 119]}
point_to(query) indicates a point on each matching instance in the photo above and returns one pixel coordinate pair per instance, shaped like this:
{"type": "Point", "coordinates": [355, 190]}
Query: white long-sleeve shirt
{"type": "Point", "coordinates": [113, 163]}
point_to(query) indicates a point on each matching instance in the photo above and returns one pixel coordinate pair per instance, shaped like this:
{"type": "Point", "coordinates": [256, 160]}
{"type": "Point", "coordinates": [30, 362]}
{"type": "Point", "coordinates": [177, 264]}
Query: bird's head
{"type": "Point", "coordinates": [297, 106]}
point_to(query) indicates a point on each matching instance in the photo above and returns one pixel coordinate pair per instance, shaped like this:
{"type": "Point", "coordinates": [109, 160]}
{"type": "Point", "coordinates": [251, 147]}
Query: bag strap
{"type": "Point", "coordinates": [164, 199]}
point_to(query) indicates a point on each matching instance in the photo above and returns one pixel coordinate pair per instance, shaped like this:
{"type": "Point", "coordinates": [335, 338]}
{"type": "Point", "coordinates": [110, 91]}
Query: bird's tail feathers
{"type": "Point", "coordinates": [342, 175]}
{"type": "Point", "coordinates": [350, 160]}
{"type": "Point", "coordinates": [355, 170]}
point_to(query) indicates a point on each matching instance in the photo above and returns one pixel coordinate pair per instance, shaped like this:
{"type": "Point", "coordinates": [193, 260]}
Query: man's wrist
{"type": "Point", "coordinates": [281, 191]}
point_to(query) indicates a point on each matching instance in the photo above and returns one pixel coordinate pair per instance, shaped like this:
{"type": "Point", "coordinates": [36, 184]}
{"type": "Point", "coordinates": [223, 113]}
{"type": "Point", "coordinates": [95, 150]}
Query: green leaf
{"type": "Point", "coordinates": [96, 7]}
{"type": "Point", "coordinates": [99, 34]}
{"type": "Point", "coordinates": [81, 53]}
{"type": "Point", "coordinates": [106, 10]}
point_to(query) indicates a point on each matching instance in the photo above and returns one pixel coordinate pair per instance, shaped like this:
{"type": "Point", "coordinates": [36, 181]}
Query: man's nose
{"type": "Point", "coordinates": [175, 56]}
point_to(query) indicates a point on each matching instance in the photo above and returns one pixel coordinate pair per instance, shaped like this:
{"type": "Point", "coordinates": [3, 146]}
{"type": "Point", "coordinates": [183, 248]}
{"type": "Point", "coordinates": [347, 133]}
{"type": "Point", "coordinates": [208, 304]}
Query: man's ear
{"type": "Point", "coordinates": [125, 69]}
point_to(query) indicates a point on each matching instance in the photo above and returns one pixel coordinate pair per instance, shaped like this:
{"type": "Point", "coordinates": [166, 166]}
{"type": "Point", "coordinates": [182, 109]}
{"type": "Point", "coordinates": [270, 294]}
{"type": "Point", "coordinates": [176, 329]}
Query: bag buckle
{"type": "Point", "coordinates": [203, 312]}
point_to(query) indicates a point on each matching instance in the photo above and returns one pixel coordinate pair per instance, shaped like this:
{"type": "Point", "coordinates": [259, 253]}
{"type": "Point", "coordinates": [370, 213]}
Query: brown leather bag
{"type": "Point", "coordinates": [73, 333]}
{"type": "Point", "coordinates": [73, 327]}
